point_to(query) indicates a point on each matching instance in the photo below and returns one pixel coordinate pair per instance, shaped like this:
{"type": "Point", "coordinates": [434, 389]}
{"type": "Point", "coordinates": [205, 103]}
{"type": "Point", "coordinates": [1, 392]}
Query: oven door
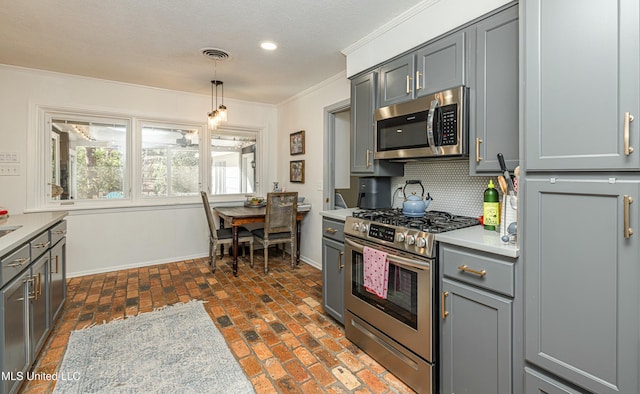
{"type": "Point", "coordinates": [406, 314]}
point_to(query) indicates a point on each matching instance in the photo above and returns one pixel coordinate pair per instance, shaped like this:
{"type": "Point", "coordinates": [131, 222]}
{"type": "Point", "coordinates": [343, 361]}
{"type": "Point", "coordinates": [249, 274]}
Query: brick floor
{"type": "Point", "coordinates": [274, 324]}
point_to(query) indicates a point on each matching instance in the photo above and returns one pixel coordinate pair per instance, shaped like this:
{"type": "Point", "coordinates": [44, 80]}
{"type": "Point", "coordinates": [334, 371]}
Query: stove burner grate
{"type": "Point", "coordinates": [432, 222]}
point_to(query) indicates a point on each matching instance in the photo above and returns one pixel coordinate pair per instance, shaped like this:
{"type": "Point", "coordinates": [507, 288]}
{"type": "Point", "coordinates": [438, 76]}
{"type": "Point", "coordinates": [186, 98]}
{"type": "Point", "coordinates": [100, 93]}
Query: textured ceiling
{"type": "Point", "coordinates": [158, 42]}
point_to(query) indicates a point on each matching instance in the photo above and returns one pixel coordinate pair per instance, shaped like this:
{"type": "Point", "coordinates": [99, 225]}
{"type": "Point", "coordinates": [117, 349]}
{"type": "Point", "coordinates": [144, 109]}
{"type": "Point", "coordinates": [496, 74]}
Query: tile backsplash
{"type": "Point", "coordinates": [449, 184]}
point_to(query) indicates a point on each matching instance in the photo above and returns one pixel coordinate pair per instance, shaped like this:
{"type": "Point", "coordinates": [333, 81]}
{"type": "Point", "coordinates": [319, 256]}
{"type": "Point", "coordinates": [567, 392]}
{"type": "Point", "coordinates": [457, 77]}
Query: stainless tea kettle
{"type": "Point", "coordinates": [414, 206]}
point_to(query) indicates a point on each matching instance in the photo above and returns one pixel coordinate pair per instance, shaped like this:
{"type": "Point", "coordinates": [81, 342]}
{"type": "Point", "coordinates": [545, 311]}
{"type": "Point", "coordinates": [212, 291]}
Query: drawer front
{"type": "Point", "coordinates": [57, 232]}
{"type": "Point", "coordinates": [39, 245]}
{"type": "Point", "coordinates": [333, 229]}
{"type": "Point", "coordinates": [478, 268]}
{"type": "Point", "coordinates": [14, 263]}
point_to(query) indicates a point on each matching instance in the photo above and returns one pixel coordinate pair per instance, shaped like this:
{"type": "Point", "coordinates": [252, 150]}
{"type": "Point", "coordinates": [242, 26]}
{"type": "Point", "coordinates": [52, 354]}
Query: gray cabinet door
{"type": "Point", "coordinates": [57, 278]}
{"type": "Point", "coordinates": [476, 341]}
{"type": "Point", "coordinates": [440, 65]}
{"type": "Point", "coordinates": [363, 101]}
{"type": "Point", "coordinates": [582, 320]}
{"type": "Point", "coordinates": [40, 304]}
{"type": "Point", "coordinates": [396, 81]}
{"type": "Point", "coordinates": [333, 278]}
{"type": "Point", "coordinates": [15, 322]}
{"type": "Point", "coordinates": [581, 74]}
{"type": "Point", "coordinates": [495, 126]}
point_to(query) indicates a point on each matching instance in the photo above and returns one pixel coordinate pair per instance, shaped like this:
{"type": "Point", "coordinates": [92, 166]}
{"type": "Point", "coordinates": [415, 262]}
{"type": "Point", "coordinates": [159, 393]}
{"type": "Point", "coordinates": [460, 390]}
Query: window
{"type": "Point", "coordinates": [91, 161]}
{"type": "Point", "coordinates": [88, 158]}
{"type": "Point", "coordinates": [170, 161]}
{"type": "Point", "coordinates": [233, 158]}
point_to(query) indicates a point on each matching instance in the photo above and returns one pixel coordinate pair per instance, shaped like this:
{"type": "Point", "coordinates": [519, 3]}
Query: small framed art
{"type": "Point", "coordinates": [296, 143]}
{"type": "Point", "coordinates": [296, 171]}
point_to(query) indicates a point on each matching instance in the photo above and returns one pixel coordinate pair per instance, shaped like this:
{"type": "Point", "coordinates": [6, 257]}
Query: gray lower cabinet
{"type": "Point", "coordinates": [333, 268]}
{"type": "Point", "coordinates": [582, 84]}
{"type": "Point", "coordinates": [582, 320]}
{"type": "Point", "coordinates": [33, 293]}
{"type": "Point", "coordinates": [363, 101]}
{"type": "Point", "coordinates": [494, 117]}
{"type": "Point", "coordinates": [476, 337]}
{"type": "Point", "coordinates": [15, 339]}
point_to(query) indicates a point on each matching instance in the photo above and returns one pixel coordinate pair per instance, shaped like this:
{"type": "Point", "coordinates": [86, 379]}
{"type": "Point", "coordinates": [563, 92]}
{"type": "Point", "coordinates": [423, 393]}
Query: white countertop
{"type": "Point", "coordinates": [339, 214]}
{"type": "Point", "coordinates": [478, 238]}
{"type": "Point", "coordinates": [30, 225]}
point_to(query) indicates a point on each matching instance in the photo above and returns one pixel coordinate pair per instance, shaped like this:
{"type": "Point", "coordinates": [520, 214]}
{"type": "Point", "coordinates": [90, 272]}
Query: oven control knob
{"type": "Point", "coordinates": [411, 240]}
{"type": "Point", "coordinates": [421, 242]}
{"type": "Point", "coordinates": [400, 237]}
{"type": "Point", "coordinates": [363, 228]}
{"type": "Point", "coordinates": [356, 226]}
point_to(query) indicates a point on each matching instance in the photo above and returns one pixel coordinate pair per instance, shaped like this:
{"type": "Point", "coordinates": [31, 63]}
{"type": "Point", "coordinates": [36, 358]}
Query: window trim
{"type": "Point", "coordinates": [38, 166]}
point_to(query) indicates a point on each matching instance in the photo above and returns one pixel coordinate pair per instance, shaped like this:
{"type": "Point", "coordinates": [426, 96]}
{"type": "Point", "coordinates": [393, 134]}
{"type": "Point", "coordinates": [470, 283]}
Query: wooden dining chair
{"type": "Point", "coordinates": [223, 236]}
{"type": "Point", "coordinates": [279, 224]}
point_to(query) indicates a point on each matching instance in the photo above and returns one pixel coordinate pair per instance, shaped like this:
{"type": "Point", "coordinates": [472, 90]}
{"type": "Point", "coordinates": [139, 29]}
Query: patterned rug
{"type": "Point", "coordinates": [170, 350]}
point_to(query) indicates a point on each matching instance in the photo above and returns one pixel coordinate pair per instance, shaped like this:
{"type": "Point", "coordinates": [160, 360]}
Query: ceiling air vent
{"type": "Point", "coordinates": [216, 54]}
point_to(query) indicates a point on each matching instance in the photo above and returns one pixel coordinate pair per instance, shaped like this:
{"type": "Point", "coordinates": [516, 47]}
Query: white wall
{"type": "Point", "coordinates": [105, 240]}
{"type": "Point", "coordinates": [305, 112]}
{"type": "Point", "coordinates": [422, 23]}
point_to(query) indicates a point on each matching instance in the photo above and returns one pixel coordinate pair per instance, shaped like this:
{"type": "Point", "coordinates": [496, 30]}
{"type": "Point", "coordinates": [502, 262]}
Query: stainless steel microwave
{"type": "Point", "coordinates": [435, 125]}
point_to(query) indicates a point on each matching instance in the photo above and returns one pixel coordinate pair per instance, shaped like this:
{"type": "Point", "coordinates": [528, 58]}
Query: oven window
{"type": "Point", "coordinates": [402, 293]}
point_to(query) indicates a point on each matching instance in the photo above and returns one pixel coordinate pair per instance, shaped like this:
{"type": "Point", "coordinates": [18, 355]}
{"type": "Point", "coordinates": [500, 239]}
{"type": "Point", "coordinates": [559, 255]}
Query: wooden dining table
{"type": "Point", "coordinates": [238, 216]}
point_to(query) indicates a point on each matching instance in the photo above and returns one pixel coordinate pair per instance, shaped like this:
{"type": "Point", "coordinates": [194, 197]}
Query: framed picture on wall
{"type": "Point", "coordinates": [296, 171]}
{"type": "Point", "coordinates": [296, 143]}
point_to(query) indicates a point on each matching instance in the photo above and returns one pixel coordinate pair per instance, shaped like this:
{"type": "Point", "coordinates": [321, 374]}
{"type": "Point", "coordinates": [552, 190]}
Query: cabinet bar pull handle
{"type": "Point", "coordinates": [465, 268]}
{"type": "Point", "coordinates": [56, 271]}
{"type": "Point", "coordinates": [368, 161]}
{"type": "Point", "coordinates": [17, 262]}
{"type": "Point", "coordinates": [340, 264]}
{"type": "Point", "coordinates": [409, 84]}
{"type": "Point", "coordinates": [478, 142]}
{"type": "Point", "coordinates": [444, 312]}
{"type": "Point", "coordinates": [418, 75]}
{"type": "Point", "coordinates": [628, 231]}
{"type": "Point", "coordinates": [42, 245]}
{"type": "Point", "coordinates": [331, 230]}
{"type": "Point", "coordinates": [628, 118]}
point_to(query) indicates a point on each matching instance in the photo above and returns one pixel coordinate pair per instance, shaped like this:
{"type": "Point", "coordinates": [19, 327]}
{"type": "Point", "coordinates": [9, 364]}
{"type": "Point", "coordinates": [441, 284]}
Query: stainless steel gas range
{"type": "Point", "coordinates": [398, 330]}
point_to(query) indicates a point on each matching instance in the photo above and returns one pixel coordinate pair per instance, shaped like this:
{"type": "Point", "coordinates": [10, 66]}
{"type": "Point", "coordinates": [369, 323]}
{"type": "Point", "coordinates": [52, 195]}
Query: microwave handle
{"type": "Point", "coordinates": [432, 143]}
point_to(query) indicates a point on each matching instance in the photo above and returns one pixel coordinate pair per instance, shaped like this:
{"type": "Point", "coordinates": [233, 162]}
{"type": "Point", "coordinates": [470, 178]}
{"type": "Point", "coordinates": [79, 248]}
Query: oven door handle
{"type": "Point", "coordinates": [391, 257]}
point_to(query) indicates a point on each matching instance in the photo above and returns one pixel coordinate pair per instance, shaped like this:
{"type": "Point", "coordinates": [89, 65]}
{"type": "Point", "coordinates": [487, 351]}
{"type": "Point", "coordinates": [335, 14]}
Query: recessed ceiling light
{"type": "Point", "coordinates": [268, 45]}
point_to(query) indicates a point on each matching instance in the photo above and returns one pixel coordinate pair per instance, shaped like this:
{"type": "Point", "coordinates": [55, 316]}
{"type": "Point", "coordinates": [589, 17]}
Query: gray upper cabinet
{"type": "Point", "coordinates": [494, 123]}
{"type": "Point", "coordinates": [440, 65]}
{"type": "Point", "coordinates": [396, 81]}
{"type": "Point", "coordinates": [582, 321]}
{"type": "Point", "coordinates": [582, 61]}
{"type": "Point", "coordinates": [435, 67]}
{"type": "Point", "coordinates": [363, 101]}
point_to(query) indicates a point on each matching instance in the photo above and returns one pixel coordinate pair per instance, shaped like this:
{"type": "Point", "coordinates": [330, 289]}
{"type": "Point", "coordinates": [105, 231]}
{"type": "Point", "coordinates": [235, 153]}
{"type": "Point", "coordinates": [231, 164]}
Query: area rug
{"type": "Point", "coordinates": [176, 349]}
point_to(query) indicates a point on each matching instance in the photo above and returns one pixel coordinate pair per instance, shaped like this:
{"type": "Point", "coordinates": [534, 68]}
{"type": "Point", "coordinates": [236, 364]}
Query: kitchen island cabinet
{"type": "Point", "coordinates": [363, 103]}
{"type": "Point", "coordinates": [479, 351]}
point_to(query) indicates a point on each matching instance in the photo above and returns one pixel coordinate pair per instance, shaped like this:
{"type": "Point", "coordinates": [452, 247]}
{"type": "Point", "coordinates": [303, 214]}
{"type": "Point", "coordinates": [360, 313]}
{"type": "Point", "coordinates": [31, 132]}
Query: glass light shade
{"type": "Point", "coordinates": [222, 113]}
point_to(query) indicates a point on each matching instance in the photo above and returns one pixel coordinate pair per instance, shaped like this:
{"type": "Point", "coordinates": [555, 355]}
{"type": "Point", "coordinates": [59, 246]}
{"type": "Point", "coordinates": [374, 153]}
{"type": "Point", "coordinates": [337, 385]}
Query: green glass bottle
{"type": "Point", "coordinates": [491, 207]}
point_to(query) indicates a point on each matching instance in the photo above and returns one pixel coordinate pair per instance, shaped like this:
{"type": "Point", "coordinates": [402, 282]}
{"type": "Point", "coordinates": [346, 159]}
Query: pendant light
{"type": "Point", "coordinates": [218, 113]}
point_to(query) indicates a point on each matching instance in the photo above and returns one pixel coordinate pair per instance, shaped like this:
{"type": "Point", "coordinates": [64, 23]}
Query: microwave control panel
{"type": "Point", "coordinates": [448, 124]}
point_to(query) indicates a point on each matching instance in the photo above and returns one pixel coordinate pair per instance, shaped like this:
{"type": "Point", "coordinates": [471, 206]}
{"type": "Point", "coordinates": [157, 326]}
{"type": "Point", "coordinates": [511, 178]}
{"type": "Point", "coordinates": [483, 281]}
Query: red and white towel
{"type": "Point", "coordinates": [376, 272]}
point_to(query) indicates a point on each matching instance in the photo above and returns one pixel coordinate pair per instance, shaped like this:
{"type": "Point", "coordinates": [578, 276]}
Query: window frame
{"type": "Point", "coordinates": [39, 165]}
